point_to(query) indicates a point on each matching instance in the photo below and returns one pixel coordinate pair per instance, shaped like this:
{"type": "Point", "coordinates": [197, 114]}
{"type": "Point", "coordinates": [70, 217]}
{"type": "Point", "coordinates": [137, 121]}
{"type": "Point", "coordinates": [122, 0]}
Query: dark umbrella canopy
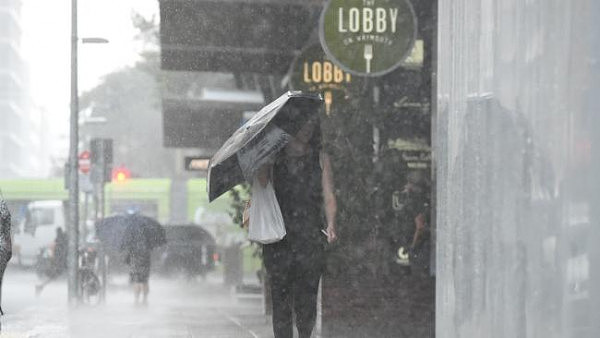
{"type": "Point", "coordinates": [111, 230]}
{"type": "Point", "coordinates": [262, 136]}
{"type": "Point", "coordinates": [144, 229]}
{"type": "Point", "coordinates": [119, 232]}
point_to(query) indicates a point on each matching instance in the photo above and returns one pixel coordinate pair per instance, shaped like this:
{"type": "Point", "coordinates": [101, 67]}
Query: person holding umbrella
{"type": "Point", "coordinates": [303, 183]}
{"type": "Point", "coordinates": [280, 147]}
{"type": "Point", "coordinates": [141, 235]}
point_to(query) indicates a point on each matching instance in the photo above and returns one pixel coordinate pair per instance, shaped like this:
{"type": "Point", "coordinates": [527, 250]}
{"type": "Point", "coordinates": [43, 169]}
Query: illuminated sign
{"type": "Point", "coordinates": [313, 71]}
{"type": "Point", "coordinates": [416, 154]}
{"type": "Point", "coordinates": [196, 163]}
{"type": "Point", "coordinates": [416, 56]}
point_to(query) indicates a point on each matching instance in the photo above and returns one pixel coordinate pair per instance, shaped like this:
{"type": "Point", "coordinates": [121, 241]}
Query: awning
{"type": "Point", "coordinates": [238, 36]}
{"type": "Point", "coordinates": [203, 125]}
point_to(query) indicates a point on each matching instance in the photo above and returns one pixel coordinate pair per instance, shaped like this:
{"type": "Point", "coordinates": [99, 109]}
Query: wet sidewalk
{"type": "Point", "coordinates": [177, 308]}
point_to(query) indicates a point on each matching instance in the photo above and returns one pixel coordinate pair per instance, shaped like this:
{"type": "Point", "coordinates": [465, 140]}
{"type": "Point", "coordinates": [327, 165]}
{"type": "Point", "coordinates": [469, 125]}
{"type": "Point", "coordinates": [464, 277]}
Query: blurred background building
{"type": "Point", "coordinates": [22, 135]}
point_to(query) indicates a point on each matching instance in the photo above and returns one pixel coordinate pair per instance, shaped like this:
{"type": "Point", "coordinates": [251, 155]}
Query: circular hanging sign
{"type": "Point", "coordinates": [313, 71]}
{"type": "Point", "coordinates": [368, 37]}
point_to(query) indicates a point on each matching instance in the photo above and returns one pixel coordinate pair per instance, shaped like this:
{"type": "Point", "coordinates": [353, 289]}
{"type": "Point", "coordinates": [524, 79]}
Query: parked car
{"type": "Point", "coordinates": [190, 249]}
{"type": "Point", "coordinates": [37, 231]}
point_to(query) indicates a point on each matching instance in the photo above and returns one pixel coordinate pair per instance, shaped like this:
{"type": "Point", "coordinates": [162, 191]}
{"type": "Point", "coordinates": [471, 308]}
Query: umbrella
{"type": "Point", "coordinates": [259, 139]}
{"type": "Point", "coordinates": [145, 229]}
{"type": "Point", "coordinates": [119, 232]}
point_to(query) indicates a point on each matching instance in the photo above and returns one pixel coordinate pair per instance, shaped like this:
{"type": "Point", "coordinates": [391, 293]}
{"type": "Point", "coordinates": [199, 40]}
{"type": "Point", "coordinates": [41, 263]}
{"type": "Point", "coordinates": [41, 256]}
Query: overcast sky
{"type": "Point", "coordinates": [46, 49]}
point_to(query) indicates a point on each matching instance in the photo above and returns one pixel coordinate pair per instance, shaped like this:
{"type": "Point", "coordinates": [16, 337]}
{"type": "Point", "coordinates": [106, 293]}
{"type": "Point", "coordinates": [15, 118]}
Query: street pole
{"type": "Point", "coordinates": [73, 231]}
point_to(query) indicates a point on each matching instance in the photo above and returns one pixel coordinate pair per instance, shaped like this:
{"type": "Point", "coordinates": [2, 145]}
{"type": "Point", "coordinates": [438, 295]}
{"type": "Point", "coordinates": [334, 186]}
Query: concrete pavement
{"type": "Point", "coordinates": [177, 308]}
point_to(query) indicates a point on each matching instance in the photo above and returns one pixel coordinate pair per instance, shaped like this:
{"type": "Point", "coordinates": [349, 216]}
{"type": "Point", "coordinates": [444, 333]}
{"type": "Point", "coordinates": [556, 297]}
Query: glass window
{"type": "Point", "coordinates": [41, 217]}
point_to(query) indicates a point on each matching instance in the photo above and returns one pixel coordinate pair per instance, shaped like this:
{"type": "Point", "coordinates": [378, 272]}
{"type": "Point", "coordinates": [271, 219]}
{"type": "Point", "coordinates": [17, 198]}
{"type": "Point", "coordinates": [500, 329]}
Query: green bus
{"type": "Point", "coordinates": [151, 196]}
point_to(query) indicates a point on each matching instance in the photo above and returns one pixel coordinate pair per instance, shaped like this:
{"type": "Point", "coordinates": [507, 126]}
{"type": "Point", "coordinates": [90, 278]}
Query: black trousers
{"type": "Point", "coordinates": [294, 268]}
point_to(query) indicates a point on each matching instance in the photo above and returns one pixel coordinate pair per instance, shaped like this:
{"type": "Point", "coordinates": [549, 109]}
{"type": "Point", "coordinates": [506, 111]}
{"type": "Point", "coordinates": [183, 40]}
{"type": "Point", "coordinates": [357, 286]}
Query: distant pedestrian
{"type": "Point", "coordinates": [60, 251]}
{"type": "Point", "coordinates": [53, 266]}
{"type": "Point", "coordinates": [138, 252]}
{"type": "Point", "coordinates": [303, 184]}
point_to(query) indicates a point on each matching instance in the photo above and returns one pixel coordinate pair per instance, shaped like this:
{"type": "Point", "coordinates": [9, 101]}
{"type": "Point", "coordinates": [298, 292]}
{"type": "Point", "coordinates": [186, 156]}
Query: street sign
{"type": "Point", "coordinates": [313, 71]}
{"type": "Point", "coordinates": [84, 162]}
{"type": "Point", "coordinates": [368, 37]}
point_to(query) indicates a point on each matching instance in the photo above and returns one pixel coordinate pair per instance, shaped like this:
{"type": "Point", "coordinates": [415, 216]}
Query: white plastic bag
{"type": "Point", "coordinates": [266, 221]}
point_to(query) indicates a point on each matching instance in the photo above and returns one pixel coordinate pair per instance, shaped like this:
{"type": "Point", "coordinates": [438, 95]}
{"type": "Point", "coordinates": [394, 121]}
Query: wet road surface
{"type": "Point", "coordinates": [176, 308]}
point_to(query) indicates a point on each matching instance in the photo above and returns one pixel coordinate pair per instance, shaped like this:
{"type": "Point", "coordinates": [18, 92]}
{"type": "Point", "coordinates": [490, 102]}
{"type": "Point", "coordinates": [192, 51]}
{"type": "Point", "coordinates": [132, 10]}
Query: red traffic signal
{"type": "Point", "coordinates": [120, 174]}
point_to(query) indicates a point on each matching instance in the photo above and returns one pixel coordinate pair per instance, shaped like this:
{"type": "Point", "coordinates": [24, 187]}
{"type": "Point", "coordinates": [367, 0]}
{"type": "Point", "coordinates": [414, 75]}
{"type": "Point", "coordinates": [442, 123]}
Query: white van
{"type": "Point", "coordinates": [37, 230]}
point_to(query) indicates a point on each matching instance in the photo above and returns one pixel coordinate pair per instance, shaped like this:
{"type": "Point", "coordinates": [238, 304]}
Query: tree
{"type": "Point", "coordinates": [129, 99]}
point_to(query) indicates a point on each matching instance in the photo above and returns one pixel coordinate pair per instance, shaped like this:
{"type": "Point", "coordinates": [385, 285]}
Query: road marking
{"type": "Point", "coordinates": [238, 323]}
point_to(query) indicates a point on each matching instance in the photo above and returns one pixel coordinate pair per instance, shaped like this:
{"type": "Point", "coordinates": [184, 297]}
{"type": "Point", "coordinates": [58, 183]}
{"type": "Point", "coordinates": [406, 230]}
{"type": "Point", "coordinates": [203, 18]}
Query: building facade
{"type": "Point", "coordinates": [20, 121]}
{"type": "Point", "coordinates": [517, 163]}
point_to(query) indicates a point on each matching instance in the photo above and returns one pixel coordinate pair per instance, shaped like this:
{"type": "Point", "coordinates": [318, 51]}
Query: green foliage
{"type": "Point", "coordinates": [129, 99]}
{"type": "Point", "coordinates": [239, 196]}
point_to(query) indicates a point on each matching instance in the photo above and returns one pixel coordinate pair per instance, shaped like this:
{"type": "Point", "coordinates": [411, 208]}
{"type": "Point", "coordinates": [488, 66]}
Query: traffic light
{"type": "Point", "coordinates": [120, 174]}
{"type": "Point", "coordinates": [101, 159]}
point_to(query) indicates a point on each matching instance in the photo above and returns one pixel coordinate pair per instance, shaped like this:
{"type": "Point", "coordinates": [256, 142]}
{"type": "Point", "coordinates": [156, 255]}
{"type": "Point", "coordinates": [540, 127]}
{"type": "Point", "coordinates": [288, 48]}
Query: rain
{"type": "Point", "coordinates": [299, 168]}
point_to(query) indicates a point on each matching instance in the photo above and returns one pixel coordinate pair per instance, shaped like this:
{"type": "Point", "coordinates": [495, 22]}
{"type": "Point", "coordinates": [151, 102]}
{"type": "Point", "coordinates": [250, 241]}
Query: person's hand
{"type": "Point", "coordinates": [331, 235]}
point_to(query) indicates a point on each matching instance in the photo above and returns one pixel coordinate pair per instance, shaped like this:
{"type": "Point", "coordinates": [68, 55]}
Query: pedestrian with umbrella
{"type": "Point", "coordinates": [5, 242]}
{"type": "Point", "coordinates": [135, 235]}
{"type": "Point", "coordinates": [299, 170]}
{"type": "Point", "coordinates": [141, 236]}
